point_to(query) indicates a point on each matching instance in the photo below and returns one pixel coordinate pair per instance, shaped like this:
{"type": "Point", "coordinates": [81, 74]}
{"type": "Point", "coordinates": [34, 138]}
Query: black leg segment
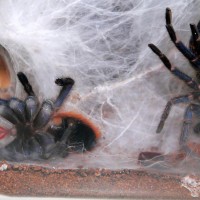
{"type": "Point", "coordinates": [24, 81]}
{"type": "Point", "coordinates": [180, 46]}
{"type": "Point", "coordinates": [184, 77]}
{"type": "Point", "coordinates": [67, 84]}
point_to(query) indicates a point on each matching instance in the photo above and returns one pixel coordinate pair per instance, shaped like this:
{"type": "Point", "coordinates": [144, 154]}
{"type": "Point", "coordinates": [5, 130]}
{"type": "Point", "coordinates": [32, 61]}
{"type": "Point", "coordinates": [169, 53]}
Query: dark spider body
{"type": "Point", "coordinates": [193, 55]}
{"type": "Point", "coordinates": [34, 138]}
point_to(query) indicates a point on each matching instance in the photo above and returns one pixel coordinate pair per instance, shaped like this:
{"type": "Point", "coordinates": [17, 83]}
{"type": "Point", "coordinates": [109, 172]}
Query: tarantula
{"type": "Point", "coordinates": [193, 55]}
{"type": "Point", "coordinates": [33, 138]}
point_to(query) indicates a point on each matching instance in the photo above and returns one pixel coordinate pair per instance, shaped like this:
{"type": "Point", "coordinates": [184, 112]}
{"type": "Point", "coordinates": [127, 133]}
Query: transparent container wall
{"type": "Point", "coordinates": [121, 87]}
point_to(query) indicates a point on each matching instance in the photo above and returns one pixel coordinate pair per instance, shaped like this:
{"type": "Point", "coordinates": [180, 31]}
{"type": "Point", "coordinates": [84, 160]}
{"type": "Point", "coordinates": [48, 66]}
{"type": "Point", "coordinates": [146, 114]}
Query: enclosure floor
{"type": "Point", "coordinates": [21, 180]}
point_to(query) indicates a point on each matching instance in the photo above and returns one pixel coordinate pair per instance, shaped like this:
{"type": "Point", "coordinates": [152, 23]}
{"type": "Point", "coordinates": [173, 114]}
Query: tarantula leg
{"type": "Point", "coordinates": [32, 148]}
{"type": "Point", "coordinates": [46, 142]}
{"type": "Point", "coordinates": [61, 147]}
{"type": "Point", "coordinates": [35, 148]}
{"type": "Point", "coordinates": [195, 33]}
{"type": "Point", "coordinates": [188, 80]}
{"type": "Point", "coordinates": [186, 125]}
{"type": "Point", "coordinates": [31, 103]}
{"type": "Point", "coordinates": [176, 100]}
{"type": "Point", "coordinates": [44, 114]}
{"type": "Point", "coordinates": [21, 109]}
{"type": "Point", "coordinates": [5, 124]}
{"type": "Point", "coordinates": [71, 127]}
{"type": "Point", "coordinates": [197, 128]}
{"type": "Point", "coordinates": [18, 108]}
{"type": "Point", "coordinates": [24, 81]}
{"type": "Point", "coordinates": [181, 47]}
{"type": "Point", "coordinates": [8, 114]}
{"type": "Point", "coordinates": [44, 138]}
{"type": "Point", "coordinates": [196, 110]}
{"type": "Point", "coordinates": [67, 84]}
{"type": "Point", "coordinates": [192, 108]}
{"type": "Point", "coordinates": [195, 46]}
{"type": "Point", "coordinates": [57, 130]}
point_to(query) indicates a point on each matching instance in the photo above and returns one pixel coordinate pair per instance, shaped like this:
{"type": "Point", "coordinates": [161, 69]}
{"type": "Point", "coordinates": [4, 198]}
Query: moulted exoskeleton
{"type": "Point", "coordinates": [36, 134]}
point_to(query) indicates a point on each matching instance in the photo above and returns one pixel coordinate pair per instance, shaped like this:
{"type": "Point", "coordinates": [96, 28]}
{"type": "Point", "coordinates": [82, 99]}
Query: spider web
{"type": "Point", "coordinates": [120, 84]}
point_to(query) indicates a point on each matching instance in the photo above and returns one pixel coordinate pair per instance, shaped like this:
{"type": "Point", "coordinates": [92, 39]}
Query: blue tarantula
{"type": "Point", "coordinates": [34, 138]}
{"type": "Point", "coordinates": [192, 54]}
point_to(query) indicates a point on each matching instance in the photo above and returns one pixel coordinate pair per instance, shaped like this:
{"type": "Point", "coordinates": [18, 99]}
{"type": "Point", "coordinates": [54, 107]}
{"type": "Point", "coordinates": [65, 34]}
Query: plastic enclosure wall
{"type": "Point", "coordinates": [120, 86]}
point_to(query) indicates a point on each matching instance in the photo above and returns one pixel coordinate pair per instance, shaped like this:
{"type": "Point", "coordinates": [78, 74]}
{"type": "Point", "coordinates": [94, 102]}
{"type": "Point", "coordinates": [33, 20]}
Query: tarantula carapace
{"type": "Point", "coordinates": [36, 135]}
{"type": "Point", "coordinates": [193, 55]}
